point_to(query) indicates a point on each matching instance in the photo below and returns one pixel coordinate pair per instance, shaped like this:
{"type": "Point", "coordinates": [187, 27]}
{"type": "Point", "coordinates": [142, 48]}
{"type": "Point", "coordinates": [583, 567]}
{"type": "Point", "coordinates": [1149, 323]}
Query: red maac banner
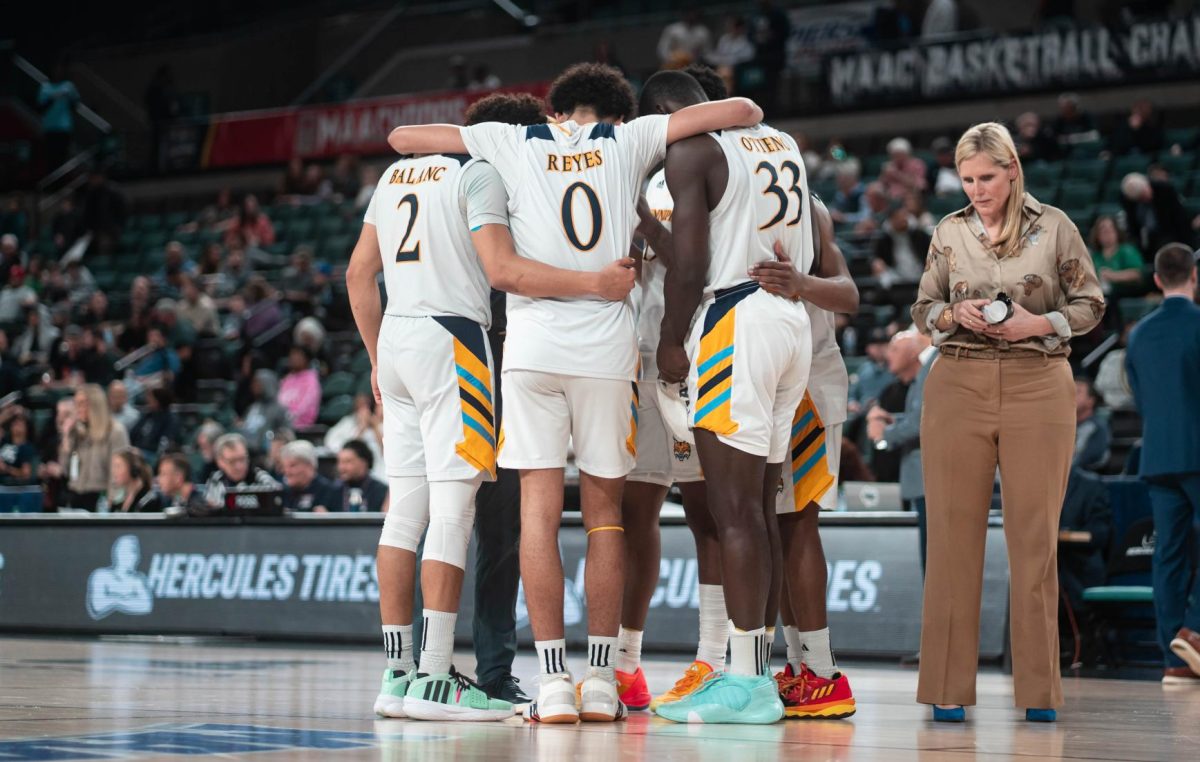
{"type": "Point", "coordinates": [319, 132]}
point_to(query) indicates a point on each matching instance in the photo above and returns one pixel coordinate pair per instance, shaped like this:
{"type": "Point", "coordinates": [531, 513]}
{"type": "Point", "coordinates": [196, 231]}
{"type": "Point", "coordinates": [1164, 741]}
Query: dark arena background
{"type": "Point", "coordinates": [181, 187]}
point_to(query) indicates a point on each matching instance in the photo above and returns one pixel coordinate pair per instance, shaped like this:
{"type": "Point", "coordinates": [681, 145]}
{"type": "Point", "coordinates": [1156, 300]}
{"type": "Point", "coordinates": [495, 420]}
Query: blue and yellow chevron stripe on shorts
{"type": "Point", "coordinates": [631, 440]}
{"type": "Point", "coordinates": [714, 363]}
{"type": "Point", "coordinates": [811, 477]}
{"type": "Point", "coordinates": [478, 446]}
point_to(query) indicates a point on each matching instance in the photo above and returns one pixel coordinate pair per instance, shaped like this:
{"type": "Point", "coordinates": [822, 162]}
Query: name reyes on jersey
{"type": "Point", "coordinates": [575, 162]}
{"type": "Point", "coordinates": [411, 176]}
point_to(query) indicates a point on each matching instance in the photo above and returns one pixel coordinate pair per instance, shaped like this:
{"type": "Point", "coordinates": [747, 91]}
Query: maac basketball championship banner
{"type": "Point", "coordinates": [316, 579]}
{"type": "Point", "coordinates": [313, 132]}
{"type": "Point", "coordinates": [1056, 57]}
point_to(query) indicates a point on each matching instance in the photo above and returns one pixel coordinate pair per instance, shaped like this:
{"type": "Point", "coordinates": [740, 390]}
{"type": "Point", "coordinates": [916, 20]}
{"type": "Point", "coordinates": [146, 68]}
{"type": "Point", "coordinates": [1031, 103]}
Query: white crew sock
{"type": "Point", "coordinates": [768, 644]}
{"type": "Point", "coordinates": [795, 653]}
{"type": "Point", "coordinates": [601, 652]}
{"type": "Point", "coordinates": [629, 650]}
{"type": "Point", "coordinates": [746, 651]}
{"type": "Point", "coordinates": [397, 644]}
{"type": "Point", "coordinates": [437, 641]}
{"type": "Point", "coordinates": [714, 627]}
{"type": "Point", "coordinates": [552, 656]}
{"type": "Point", "coordinates": [817, 653]}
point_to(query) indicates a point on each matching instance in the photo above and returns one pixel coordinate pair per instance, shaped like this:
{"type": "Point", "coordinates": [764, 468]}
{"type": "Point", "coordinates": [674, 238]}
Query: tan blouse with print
{"type": "Point", "coordinates": [1050, 273]}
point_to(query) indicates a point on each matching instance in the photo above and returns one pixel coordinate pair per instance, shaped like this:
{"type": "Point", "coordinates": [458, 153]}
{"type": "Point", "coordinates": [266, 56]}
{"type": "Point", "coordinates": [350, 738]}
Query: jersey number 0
{"type": "Point", "coordinates": [568, 217]}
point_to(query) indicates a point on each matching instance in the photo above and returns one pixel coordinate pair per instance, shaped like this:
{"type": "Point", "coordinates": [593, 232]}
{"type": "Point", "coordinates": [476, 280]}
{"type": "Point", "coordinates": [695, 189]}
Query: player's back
{"type": "Point", "coordinates": [429, 262]}
{"type": "Point", "coordinates": [765, 201]}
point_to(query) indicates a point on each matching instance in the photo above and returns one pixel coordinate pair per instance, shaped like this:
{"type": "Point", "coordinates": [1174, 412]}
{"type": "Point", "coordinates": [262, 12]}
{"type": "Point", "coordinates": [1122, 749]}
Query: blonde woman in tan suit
{"type": "Point", "coordinates": [1008, 282]}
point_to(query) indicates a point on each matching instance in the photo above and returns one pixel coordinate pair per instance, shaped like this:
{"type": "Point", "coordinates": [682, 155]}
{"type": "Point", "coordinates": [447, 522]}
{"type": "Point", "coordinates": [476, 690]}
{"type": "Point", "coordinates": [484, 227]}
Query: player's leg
{"type": "Point", "coordinates": [604, 432]}
{"type": "Point", "coordinates": [536, 433]}
{"type": "Point", "coordinates": [452, 388]}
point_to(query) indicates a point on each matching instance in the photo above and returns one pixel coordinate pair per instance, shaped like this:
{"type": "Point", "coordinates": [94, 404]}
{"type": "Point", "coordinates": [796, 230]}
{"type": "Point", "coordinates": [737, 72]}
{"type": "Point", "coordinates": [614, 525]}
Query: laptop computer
{"type": "Point", "coordinates": [873, 496]}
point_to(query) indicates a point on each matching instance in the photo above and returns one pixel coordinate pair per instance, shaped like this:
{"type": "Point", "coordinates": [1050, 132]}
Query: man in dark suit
{"type": "Point", "coordinates": [1163, 367]}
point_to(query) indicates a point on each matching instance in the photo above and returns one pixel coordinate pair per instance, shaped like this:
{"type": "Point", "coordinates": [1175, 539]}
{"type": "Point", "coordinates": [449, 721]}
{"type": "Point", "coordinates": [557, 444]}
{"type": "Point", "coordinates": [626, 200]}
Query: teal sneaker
{"type": "Point", "coordinates": [390, 702]}
{"type": "Point", "coordinates": [726, 698]}
{"type": "Point", "coordinates": [452, 697]}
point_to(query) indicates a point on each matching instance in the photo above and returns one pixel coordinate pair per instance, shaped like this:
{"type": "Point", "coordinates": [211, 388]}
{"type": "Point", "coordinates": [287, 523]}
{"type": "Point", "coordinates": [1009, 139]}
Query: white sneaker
{"type": "Point", "coordinates": [555, 701]}
{"type": "Point", "coordinates": [599, 699]}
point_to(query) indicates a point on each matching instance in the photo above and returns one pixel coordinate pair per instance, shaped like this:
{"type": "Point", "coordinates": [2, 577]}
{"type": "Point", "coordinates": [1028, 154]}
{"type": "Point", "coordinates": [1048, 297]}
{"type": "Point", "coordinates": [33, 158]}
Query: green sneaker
{"type": "Point", "coordinates": [726, 698]}
{"type": "Point", "coordinates": [452, 697]}
{"type": "Point", "coordinates": [390, 702]}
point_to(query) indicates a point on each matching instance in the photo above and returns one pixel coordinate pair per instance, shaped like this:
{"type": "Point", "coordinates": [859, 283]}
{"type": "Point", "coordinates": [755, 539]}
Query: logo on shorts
{"type": "Point", "coordinates": [779, 489]}
{"type": "Point", "coordinates": [683, 451]}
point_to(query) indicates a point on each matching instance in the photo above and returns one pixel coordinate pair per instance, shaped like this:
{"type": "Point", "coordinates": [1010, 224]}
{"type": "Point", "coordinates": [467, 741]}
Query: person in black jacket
{"type": "Point", "coordinates": [1154, 213]}
{"type": "Point", "coordinates": [900, 249]}
{"type": "Point", "coordinates": [158, 430]}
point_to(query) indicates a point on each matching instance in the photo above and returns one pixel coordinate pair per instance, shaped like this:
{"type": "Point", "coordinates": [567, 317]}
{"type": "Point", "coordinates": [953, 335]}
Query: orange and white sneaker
{"type": "Point", "coordinates": [692, 679]}
{"type": "Point", "coordinates": [808, 696]}
{"type": "Point", "coordinates": [635, 694]}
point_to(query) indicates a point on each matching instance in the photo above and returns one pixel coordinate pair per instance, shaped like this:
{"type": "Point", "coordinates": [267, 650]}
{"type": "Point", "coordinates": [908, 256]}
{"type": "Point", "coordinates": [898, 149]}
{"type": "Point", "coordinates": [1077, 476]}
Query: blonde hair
{"type": "Point", "coordinates": [99, 423]}
{"type": "Point", "coordinates": [994, 141]}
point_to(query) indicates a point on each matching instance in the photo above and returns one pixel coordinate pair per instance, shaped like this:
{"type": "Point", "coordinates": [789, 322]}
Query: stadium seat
{"type": "Point", "coordinates": [175, 219]}
{"type": "Point", "coordinates": [337, 248]}
{"type": "Point", "coordinates": [1076, 193]}
{"type": "Point", "coordinates": [1047, 194]}
{"type": "Point", "coordinates": [1178, 166]}
{"type": "Point", "coordinates": [940, 206]}
{"type": "Point", "coordinates": [1135, 308]}
{"type": "Point", "coordinates": [336, 409]}
{"type": "Point", "coordinates": [1126, 164]}
{"type": "Point", "coordinates": [361, 363]}
{"type": "Point", "coordinates": [336, 385]}
{"type": "Point", "coordinates": [1043, 173]}
{"type": "Point", "coordinates": [1089, 170]}
{"type": "Point", "coordinates": [1089, 150]}
{"type": "Point", "coordinates": [1184, 137]}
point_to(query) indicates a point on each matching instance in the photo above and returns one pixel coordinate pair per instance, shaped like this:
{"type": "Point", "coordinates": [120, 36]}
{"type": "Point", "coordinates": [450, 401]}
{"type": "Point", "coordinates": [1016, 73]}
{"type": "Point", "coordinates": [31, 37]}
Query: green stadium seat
{"type": "Point", "coordinates": [1076, 193]}
{"type": "Point", "coordinates": [281, 213]}
{"type": "Point", "coordinates": [300, 229]}
{"type": "Point", "coordinates": [128, 262]}
{"type": "Point", "coordinates": [175, 219]}
{"type": "Point", "coordinates": [1185, 137]}
{"type": "Point", "coordinates": [1108, 209]}
{"type": "Point", "coordinates": [1192, 183]}
{"type": "Point", "coordinates": [871, 166]}
{"type": "Point", "coordinates": [336, 385]}
{"type": "Point", "coordinates": [130, 240]}
{"type": "Point", "coordinates": [338, 248]}
{"type": "Point", "coordinates": [1043, 173]}
{"type": "Point", "coordinates": [1088, 150]}
{"type": "Point", "coordinates": [335, 409]}
{"type": "Point", "coordinates": [1135, 308]}
{"type": "Point", "coordinates": [940, 206]}
{"type": "Point", "coordinates": [1047, 194]}
{"type": "Point", "coordinates": [1178, 166]}
{"type": "Point", "coordinates": [1082, 215]}
{"type": "Point", "coordinates": [1119, 594]}
{"type": "Point", "coordinates": [361, 363]}
{"type": "Point", "coordinates": [1126, 164]}
{"type": "Point", "coordinates": [330, 225]}
{"type": "Point", "coordinates": [1087, 170]}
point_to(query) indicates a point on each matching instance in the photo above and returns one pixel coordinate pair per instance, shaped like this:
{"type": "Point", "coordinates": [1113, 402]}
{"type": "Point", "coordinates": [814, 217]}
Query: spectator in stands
{"type": "Point", "coordinates": [1092, 433]}
{"type": "Point", "coordinates": [346, 177]}
{"type": "Point", "coordinates": [168, 281]}
{"type": "Point", "coordinates": [94, 314]}
{"type": "Point", "coordinates": [263, 310]}
{"type": "Point", "coordinates": [941, 20]}
{"type": "Point", "coordinates": [299, 281]}
{"type": "Point", "coordinates": [276, 441]}
{"type": "Point", "coordinates": [899, 250]}
{"type": "Point", "coordinates": [919, 216]}
{"type": "Point", "coordinates": [363, 424]}
{"type": "Point", "coordinates": [79, 282]}
{"type": "Point", "coordinates": [51, 473]}
{"type": "Point", "coordinates": [1073, 125]}
{"type": "Point", "coordinates": [265, 414]}
{"type": "Point", "coordinates": [1085, 509]}
{"type": "Point", "coordinates": [236, 271]}
{"type": "Point", "coordinates": [253, 228]}
{"type": "Point", "coordinates": [206, 436]}
{"type": "Point", "coordinates": [162, 365]}
{"type": "Point", "coordinates": [176, 488]}
{"type": "Point", "coordinates": [1111, 383]}
{"type": "Point", "coordinates": [10, 372]}
{"type": "Point", "coordinates": [197, 308]}
{"type": "Point", "coordinates": [35, 343]}
{"type": "Point", "coordinates": [159, 429]}
{"type": "Point", "coordinates": [300, 390]}
{"type": "Point", "coordinates": [368, 182]}
{"type": "Point", "coordinates": [942, 175]}
{"type": "Point", "coordinates": [78, 354]}
{"type": "Point", "coordinates": [233, 470]}
{"type": "Point", "coordinates": [1154, 212]}
{"type": "Point", "coordinates": [304, 488]}
{"type": "Point", "coordinates": [1141, 132]}
{"type": "Point", "coordinates": [119, 407]}
{"type": "Point", "coordinates": [18, 456]}
{"type": "Point", "coordinates": [1164, 373]}
{"type": "Point", "coordinates": [10, 254]}
{"type": "Point", "coordinates": [872, 376]}
{"type": "Point", "coordinates": [360, 491]}
{"type": "Point", "coordinates": [292, 183]}
{"type": "Point", "coordinates": [482, 78]}
{"type": "Point", "coordinates": [309, 334]}
{"type": "Point", "coordinates": [14, 295]}
{"type": "Point", "coordinates": [132, 487]}
{"type": "Point", "coordinates": [902, 172]}
{"type": "Point", "coordinates": [733, 50]}
{"type": "Point", "coordinates": [13, 219]}
{"type": "Point", "coordinates": [1035, 141]}
{"type": "Point", "coordinates": [56, 99]}
{"type": "Point", "coordinates": [89, 438]}
{"type": "Point", "coordinates": [684, 42]}
{"type": "Point", "coordinates": [102, 209]}
{"type": "Point", "coordinates": [1118, 264]}
{"type": "Point", "coordinates": [849, 203]}
{"type": "Point", "coordinates": [879, 207]}
{"type": "Point", "coordinates": [912, 356]}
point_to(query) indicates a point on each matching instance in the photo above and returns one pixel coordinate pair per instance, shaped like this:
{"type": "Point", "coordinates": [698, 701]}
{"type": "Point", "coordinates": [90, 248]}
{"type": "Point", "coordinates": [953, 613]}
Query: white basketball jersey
{"type": "Point", "coordinates": [573, 193]}
{"type": "Point", "coordinates": [429, 263]}
{"type": "Point", "coordinates": [765, 200]}
{"type": "Point", "coordinates": [828, 380]}
{"type": "Point", "coordinates": [649, 294]}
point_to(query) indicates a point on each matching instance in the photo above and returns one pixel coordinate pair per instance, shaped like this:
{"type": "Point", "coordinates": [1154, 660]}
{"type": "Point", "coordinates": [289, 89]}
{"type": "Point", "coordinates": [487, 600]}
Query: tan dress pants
{"type": "Point", "coordinates": [1018, 413]}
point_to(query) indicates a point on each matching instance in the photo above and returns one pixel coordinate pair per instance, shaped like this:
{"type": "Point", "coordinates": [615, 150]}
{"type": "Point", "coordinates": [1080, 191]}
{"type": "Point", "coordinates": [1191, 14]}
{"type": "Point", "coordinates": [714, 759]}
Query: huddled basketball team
{"type": "Point", "coordinates": [671, 290]}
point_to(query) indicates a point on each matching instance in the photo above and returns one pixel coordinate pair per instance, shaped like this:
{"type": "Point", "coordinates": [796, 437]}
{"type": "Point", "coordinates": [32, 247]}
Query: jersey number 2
{"type": "Point", "coordinates": [780, 193]}
{"type": "Point", "coordinates": [568, 218]}
{"type": "Point", "coordinates": [413, 254]}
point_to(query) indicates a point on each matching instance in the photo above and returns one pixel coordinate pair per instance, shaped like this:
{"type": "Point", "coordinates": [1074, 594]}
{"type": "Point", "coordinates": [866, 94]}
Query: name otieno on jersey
{"type": "Point", "coordinates": [577, 162]}
{"type": "Point", "coordinates": [763, 145]}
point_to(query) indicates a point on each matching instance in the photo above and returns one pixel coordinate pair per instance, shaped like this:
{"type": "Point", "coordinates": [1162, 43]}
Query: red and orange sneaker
{"type": "Point", "coordinates": [808, 696]}
{"type": "Point", "coordinates": [635, 694]}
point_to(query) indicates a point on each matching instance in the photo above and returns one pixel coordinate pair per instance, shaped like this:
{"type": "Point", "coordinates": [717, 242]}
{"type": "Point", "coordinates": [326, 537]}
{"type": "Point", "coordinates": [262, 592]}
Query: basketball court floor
{"type": "Point", "coordinates": [68, 699]}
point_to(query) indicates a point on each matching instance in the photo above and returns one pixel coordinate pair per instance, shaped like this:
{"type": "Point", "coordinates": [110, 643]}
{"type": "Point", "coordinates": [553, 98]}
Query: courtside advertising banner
{"type": "Point", "coordinates": [310, 580]}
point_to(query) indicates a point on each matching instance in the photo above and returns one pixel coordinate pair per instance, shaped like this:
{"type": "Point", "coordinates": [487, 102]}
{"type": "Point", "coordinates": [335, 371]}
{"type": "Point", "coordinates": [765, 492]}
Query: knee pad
{"type": "Point", "coordinates": [451, 517]}
{"type": "Point", "coordinates": [408, 512]}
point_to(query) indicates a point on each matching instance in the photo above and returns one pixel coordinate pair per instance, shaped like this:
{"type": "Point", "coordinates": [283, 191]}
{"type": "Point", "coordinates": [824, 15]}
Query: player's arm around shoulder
{"type": "Point", "coordinates": [427, 138]}
{"type": "Point", "coordinates": [830, 287]}
{"type": "Point", "coordinates": [713, 115]}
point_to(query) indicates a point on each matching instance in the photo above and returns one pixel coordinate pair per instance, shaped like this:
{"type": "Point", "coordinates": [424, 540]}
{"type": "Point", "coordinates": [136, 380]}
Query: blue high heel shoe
{"type": "Point", "coordinates": [1041, 715]}
{"type": "Point", "coordinates": [954, 714]}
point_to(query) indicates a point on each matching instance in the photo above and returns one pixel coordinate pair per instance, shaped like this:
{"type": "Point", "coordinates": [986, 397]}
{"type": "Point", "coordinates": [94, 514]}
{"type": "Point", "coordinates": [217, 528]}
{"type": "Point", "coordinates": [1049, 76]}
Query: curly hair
{"type": "Point", "coordinates": [710, 82]}
{"type": "Point", "coordinates": [596, 86]}
{"type": "Point", "coordinates": [511, 108]}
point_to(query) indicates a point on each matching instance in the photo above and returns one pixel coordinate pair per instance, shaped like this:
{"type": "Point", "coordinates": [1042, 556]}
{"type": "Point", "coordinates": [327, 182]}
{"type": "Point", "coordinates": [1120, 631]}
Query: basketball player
{"type": "Point", "coordinates": [437, 229]}
{"type": "Point", "coordinates": [661, 460]}
{"type": "Point", "coordinates": [811, 685]}
{"type": "Point", "coordinates": [572, 363]}
{"type": "Point", "coordinates": [746, 360]}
